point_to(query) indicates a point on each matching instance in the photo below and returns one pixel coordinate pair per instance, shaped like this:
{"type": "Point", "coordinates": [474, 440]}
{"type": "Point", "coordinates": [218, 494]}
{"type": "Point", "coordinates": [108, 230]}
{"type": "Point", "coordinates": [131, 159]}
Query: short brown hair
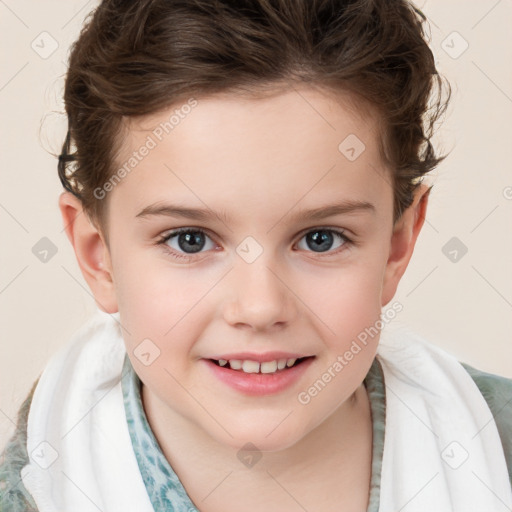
{"type": "Point", "coordinates": [138, 57]}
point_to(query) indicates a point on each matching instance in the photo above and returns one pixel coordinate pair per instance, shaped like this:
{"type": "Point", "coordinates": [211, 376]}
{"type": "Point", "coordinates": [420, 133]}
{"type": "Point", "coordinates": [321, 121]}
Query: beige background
{"type": "Point", "coordinates": [463, 306]}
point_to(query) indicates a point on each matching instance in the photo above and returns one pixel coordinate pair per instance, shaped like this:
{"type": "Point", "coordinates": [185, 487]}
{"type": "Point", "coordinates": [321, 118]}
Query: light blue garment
{"type": "Point", "coordinates": [164, 488]}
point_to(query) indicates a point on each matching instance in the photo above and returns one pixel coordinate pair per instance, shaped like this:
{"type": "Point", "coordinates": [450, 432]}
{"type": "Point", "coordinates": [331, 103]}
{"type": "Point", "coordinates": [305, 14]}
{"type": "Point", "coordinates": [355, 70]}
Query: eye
{"type": "Point", "coordinates": [186, 242]}
{"type": "Point", "coordinates": [189, 241]}
{"type": "Point", "coordinates": [322, 239]}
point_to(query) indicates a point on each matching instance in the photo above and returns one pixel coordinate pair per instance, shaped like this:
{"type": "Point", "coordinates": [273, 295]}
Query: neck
{"type": "Point", "coordinates": [338, 450]}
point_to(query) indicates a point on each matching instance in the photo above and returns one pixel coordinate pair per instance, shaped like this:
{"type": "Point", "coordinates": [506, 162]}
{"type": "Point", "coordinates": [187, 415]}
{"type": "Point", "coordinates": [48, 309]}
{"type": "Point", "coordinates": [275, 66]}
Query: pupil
{"type": "Point", "coordinates": [194, 241]}
{"type": "Point", "coordinates": [322, 241]}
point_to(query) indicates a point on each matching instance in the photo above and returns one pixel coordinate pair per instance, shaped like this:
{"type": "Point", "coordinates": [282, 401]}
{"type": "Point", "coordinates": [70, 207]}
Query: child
{"type": "Point", "coordinates": [250, 371]}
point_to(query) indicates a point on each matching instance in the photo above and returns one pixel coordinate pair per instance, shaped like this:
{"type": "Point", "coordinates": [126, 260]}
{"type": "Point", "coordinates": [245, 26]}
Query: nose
{"type": "Point", "coordinates": [261, 299]}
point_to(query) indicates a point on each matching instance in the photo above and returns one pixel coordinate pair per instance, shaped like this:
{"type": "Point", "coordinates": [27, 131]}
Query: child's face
{"type": "Point", "coordinates": [260, 162]}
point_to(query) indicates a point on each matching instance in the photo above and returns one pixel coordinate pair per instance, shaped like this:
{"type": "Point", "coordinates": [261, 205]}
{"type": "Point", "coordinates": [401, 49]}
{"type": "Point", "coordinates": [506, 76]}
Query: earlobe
{"type": "Point", "coordinates": [403, 240]}
{"type": "Point", "coordinates": [91, 252]}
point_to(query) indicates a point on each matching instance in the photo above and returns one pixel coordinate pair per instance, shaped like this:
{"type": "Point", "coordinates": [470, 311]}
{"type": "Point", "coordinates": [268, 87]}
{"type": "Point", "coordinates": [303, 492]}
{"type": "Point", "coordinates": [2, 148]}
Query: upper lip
{"type": "Point", "coordinates": [260, 358]}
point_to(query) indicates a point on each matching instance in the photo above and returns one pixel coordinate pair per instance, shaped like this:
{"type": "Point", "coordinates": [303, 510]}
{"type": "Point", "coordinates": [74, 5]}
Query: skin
{"type": "Point", "coordinates": [260, 161]}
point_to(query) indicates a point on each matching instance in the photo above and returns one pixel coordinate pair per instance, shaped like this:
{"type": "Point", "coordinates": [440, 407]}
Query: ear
{"type": "Point", "coordinates": [403, 240]}
{"type": "Point", "coordinates": [91, 252]}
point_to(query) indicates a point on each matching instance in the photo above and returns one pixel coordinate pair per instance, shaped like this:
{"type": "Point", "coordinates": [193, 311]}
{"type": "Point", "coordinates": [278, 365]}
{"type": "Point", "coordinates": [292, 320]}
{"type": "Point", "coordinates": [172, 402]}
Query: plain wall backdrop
{"type": "Point", "coordinates": [457, 291]}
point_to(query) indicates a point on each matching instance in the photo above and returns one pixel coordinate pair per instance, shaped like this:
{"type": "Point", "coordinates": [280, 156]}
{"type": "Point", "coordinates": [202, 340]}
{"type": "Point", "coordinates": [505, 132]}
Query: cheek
{"type": "Point", "coordinates": [347, 300]}
{"type": "Point", "coordinates": [162, 311]}
{"type": "Point", "coordinates": [154, 291]}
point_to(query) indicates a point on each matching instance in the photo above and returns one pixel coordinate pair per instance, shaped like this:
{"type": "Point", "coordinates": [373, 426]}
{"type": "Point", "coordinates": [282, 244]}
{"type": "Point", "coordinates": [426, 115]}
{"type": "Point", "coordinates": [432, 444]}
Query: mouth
{"type": "Point", "coordinates": [259, 379]}
{"type": "Point", "coordinates": [253, 378]}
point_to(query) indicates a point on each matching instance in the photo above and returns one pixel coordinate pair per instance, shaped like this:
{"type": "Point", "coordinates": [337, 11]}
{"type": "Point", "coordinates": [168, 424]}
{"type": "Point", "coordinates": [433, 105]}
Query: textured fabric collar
{"type": "Point", "coordinates": [164, 488]}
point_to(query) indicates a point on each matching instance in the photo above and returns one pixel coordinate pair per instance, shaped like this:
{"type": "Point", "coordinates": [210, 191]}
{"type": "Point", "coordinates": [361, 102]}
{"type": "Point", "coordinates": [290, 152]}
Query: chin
{"type": "Point", "coordinates": [259, 438]}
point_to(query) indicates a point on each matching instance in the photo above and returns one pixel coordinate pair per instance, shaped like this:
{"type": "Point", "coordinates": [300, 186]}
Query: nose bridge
{"type": "Point", "coordinates": [260, 298]}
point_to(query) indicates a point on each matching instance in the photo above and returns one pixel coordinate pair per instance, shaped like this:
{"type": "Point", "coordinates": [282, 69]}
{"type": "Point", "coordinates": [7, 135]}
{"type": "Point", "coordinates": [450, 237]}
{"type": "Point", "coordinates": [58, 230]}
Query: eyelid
{"type": "Point", "coordinates": [167, 235]}
{"type": "Point", "coordinates": [336, 229]}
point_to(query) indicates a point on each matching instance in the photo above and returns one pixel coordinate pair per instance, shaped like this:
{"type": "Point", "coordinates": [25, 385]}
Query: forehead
{"type": "Point", "coordinates": [269, 151]}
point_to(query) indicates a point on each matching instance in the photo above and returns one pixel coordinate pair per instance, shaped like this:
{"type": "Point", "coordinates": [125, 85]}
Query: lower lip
{"type": "Point", "coordinates": [258, 384]}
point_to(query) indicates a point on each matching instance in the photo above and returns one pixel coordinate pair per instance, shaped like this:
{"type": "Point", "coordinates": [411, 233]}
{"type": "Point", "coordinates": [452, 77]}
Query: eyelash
{"type": "Point", "coordinates": [189, 257]}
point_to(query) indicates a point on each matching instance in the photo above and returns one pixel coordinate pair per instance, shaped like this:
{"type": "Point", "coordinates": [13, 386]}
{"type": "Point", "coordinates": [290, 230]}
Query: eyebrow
{"type": "Point", "coordinates": [339, 208]}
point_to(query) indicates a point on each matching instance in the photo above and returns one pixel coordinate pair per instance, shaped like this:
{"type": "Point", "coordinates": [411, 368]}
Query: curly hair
{"type": "Point", "coordinates": [138, 57]}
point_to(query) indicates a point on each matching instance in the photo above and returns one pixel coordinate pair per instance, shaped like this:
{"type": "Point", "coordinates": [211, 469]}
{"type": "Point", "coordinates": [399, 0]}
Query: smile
{"type": "Point", "coordinates": [257, 379]}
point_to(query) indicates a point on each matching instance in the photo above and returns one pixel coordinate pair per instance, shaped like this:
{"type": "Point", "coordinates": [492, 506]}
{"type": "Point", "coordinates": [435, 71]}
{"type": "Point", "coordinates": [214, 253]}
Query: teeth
{"type": "Point", "coordinates": [269, 367]}
{"type": "Point", "coordinates": [249, 366]}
